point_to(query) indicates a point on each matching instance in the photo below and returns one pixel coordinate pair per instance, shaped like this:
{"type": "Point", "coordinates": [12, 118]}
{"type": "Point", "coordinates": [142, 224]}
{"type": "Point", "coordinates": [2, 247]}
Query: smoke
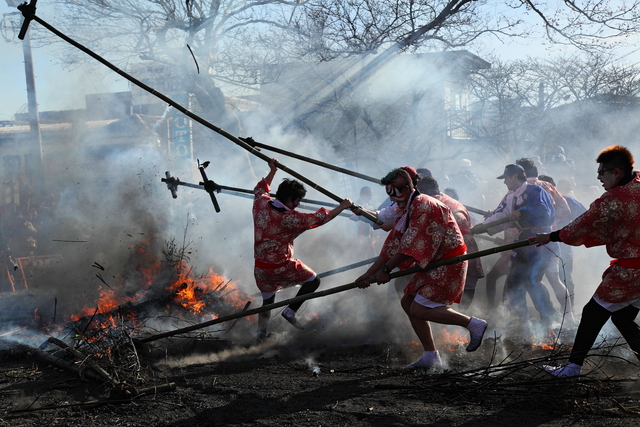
{"type": "Point", "coordinates": [110, 198]}
{"type": "Point", "coordinates": [112, 204]}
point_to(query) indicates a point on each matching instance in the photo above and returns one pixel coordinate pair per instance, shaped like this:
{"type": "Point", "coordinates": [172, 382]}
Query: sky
{"type": "Point", "coordinates": [61, 89]}
{"type": "Point", "coordinates": [56, 88]}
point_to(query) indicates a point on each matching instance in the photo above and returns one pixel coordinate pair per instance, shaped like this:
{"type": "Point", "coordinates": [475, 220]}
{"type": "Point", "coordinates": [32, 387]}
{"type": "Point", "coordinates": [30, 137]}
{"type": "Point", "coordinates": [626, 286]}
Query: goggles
{"type": "Point", "coordinates": [394, 191]}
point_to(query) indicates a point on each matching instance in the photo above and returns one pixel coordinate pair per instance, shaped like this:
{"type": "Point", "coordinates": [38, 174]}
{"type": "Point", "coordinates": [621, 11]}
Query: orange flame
{"type": "Point", "coordinates": [192, 293]}
{"type": "Point", "coordinates": [453, 340]}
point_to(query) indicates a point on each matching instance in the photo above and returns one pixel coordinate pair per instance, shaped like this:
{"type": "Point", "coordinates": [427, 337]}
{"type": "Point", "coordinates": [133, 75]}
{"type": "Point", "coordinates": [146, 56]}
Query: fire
{"type": "Point", "coordinates": [453, 341]}
{"type": "Point", "coordinates": [551, 342]}
{"type": "Point", "coordinates": [109, 300]}
{"type": "Point", "coordinates": [167, 282]}
{"type": "Point", "coordinates": [146, 264]}
{"type": "Point", "coordinates": [193, 293]}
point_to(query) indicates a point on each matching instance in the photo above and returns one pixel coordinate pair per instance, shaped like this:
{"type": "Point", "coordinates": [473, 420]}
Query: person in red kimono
{"type": "Point", "coordinates": [612, 220]}
{"type": "Point", "coordinates": [429, 186]}
{"type": "Point", "coordinates": [276, 223]}
{"type": "Point", "coordinates": [426, 232]}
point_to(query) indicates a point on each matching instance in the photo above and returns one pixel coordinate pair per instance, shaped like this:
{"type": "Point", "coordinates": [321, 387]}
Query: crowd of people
{"type": "Point", "coordinates": [425, 224]}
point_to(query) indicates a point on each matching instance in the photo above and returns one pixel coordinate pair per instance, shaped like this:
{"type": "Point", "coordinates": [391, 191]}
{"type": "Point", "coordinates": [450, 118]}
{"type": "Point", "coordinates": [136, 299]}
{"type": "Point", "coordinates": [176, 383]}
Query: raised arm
{"type": "Point", "coordinates": [272, 172]}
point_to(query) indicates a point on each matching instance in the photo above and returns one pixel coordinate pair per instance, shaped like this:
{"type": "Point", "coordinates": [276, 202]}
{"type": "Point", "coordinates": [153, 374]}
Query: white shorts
{"type": "Point", "coordinates": [267, 295]}
{"type": "Point", "coordinates": [427, 303]}
{"type": "Point", "coordinates": [615, 306]}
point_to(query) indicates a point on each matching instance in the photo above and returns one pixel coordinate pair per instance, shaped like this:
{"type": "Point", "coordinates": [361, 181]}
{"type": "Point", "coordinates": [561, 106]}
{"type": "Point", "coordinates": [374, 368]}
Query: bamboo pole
{"type": "Point", "coordinates": [478, 211]}
{"type": "Point", "coordinates": [337, 289]}
{"type": "Point", "coordinates": [248, 194]}
{"type": "Point", "coordinates": [488, 239]}
{"type": "Point", "coordinates": [29, 14]}
{"type": "Point", "coordinates": [254, 143]}
{"type": "Point", "coordinates": [347, 267]}
{"type": "Point", "coordinates": [495, 223]}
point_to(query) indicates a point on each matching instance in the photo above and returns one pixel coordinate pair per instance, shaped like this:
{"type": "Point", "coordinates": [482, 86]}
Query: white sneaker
{"type": "Point", "coordinates": [429, 360]}
{"type": "Point", "coordinates": [477, 328]}
{"type": "Point", "coordinates": [568, 371]}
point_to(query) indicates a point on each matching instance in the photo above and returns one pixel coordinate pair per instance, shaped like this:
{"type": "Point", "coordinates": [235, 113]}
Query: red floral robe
{"type": "Point", "coordinates": [431, 234]}
{"type": "Point", "coordinates": [274, 232]}
{"type": "Point", "coordinates": [612, 220]}
{"type": "Point", "coordinates": [463, 219]}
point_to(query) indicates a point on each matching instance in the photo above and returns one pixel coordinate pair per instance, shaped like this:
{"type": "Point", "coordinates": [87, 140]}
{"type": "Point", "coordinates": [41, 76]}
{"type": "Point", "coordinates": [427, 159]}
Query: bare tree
{"type": "Point", "coordinates": [376, 31]}
{"type": "Point", "coordinates": [212, 44]}
{"type": "Point", "coordinates": [526, 106]}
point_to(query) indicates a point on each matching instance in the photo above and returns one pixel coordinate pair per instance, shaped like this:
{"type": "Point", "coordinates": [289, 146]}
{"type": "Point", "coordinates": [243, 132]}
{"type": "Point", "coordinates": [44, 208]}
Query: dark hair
{"type": "Point", "coordinates": [617, 156]}
{"type": "Point", "coordinates": [429, 186]}
{"type": "Point", "coordinates": [529, 166]}
{"type": "Point", "coordinates": [452, 192]}
{"type": "Point", "coordinates": [423, 172]}
{"type": "Point", "coordinates": [397, 177]}
{"type": "Point", "coordinates": [548, 179]}
{"type": "Point", "coordinates": [290, 189]}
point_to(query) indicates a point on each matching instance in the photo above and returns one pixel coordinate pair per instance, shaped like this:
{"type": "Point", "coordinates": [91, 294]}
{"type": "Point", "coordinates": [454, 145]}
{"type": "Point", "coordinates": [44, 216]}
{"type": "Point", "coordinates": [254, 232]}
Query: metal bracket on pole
{"type": "Point", "coordinates": [209, 186]}
{"type": "Point", "coordinates": [28, 11]}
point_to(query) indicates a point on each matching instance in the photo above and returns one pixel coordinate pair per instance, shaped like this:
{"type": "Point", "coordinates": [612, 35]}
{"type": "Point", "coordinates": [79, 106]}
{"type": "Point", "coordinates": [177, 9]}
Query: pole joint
{"type": "Point", "coordinates": [28, 11]}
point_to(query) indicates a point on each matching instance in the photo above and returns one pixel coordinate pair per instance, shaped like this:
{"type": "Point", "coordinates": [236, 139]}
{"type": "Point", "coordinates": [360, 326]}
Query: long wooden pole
{"type": "Point", "coordinates": [253, 143]}
{"type": "Point", "coordinates": [337, 289]}
{"type": "Point", "coordinates": [29, 14]}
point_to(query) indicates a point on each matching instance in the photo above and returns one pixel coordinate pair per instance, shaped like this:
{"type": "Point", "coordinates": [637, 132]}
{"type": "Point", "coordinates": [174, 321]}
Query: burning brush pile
{"type": "Point", "coordinates": [101, 341]}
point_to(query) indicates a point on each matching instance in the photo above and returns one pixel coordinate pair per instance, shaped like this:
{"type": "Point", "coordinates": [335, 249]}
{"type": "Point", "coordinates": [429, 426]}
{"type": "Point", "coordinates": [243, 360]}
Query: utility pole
{"type": "Point", "coordinates": [34, 162]}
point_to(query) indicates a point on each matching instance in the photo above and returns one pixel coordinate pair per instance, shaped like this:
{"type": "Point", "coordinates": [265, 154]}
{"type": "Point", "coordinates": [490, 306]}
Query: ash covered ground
{"type": "Point", "coordinates": [323, 376]}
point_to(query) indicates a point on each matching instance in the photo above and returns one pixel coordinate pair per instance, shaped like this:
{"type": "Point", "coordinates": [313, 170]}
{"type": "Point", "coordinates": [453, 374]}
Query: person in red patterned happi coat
{"type": "Point", "coordinates": [612, 220]}
{"type": "Point", "coordinates": [429, 186]}
{"type": "Point", "coordinates": [426, 232]}
{"type": "Point", "coordinates": [276, 224]}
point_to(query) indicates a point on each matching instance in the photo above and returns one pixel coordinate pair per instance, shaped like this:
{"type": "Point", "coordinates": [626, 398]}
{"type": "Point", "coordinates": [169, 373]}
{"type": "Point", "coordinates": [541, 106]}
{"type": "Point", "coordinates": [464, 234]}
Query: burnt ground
{"type": "Point", "coordinates": [298, 382]}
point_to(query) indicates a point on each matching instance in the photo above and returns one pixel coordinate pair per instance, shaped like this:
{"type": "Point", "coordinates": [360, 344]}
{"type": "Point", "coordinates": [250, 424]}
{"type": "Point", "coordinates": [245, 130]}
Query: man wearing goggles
{"type": "Point", "coordinates": [427, 231]}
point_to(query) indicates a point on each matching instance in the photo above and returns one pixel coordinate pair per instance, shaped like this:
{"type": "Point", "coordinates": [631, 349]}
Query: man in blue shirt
{"type": "Point", "coordinates": [530, 208]}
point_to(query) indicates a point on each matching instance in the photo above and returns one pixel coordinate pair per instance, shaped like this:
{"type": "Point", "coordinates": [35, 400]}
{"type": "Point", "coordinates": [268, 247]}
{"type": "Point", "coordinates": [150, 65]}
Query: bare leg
{"type": "Point", "coordinates": [420, 316]}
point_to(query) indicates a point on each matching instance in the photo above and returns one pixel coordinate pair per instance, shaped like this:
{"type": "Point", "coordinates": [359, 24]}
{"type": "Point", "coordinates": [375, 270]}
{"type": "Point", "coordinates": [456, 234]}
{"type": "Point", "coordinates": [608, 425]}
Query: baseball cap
{"type": "Point", "coordinates": [512, 169]}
